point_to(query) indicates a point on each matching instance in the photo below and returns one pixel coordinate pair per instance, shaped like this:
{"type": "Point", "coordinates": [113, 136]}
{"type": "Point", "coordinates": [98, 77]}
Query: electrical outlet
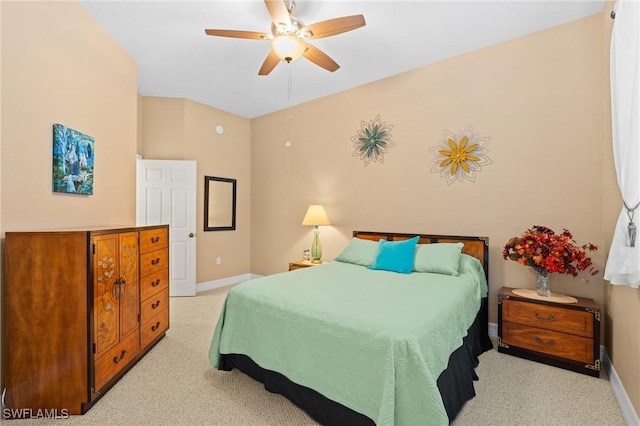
{"type": "Point", "coordinates": [218, 260]}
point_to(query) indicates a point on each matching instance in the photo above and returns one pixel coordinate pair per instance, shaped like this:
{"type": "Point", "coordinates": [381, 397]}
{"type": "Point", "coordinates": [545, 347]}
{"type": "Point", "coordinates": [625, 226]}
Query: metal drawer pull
{"type": "Point", "coordinates": [155, 261]}
{"type": "Point", "coordinates": [119, 288]}
{"type": "Point", "coordinates": [547, 319]}
{"type": "Point", "coordinates": [155, 327]}
{"type": "Point", "coordinates": [155, 240]}
{"type": "Point", "coordinates": [155, 283]}
{"type": "Point", "coordinates": [155, 305]}
{"type": "Point", "coordinates": [117, 359]}
{"type": "Point", "coordinates": [542, 342]}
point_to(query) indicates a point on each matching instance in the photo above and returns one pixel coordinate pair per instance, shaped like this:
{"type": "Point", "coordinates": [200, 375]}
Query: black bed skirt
{"type": "Point", "coordinates": [455, 383]}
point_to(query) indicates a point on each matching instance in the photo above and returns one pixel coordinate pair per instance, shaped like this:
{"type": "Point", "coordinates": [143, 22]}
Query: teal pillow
{"type": "Point", "coordinates": [396, 256]}
{"type": "Point", "coordinates": [439, 258]}
{"type": "Point", "coordinates": [359, 252]}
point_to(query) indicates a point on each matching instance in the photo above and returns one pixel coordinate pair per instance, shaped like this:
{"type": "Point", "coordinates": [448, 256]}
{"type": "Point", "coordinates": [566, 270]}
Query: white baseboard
{"type": "Point", "coordinates": [493, 330]}
{"type": "Point", "coordinates": [210, 285]}
{"type": "Point", "coordinates": [628, 412]}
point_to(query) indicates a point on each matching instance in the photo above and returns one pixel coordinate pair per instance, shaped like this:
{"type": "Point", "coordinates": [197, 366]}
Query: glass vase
{"type": "Point", "coordinates": [542, 283]}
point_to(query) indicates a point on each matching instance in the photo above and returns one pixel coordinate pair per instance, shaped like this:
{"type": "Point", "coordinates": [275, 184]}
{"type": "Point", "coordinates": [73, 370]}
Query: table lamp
{"type": "Point", "coordinates": [316, 216]}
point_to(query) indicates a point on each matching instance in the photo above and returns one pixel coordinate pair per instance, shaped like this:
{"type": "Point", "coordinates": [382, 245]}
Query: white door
{"type": "Point", "coordinates": [166, 194]}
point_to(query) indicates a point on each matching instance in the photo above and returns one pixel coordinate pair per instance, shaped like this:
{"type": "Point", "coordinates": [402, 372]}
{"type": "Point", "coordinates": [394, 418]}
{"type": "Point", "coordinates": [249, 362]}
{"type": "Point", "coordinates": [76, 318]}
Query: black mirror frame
{"type": "Point", "coordinates": [232, 227]}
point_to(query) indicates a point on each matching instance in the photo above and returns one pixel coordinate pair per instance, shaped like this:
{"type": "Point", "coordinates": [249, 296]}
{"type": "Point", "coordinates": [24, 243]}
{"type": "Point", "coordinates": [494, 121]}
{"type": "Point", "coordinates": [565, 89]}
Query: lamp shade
{"type": "Point", "coordinates": [316, 216]}
{"type": "Point", "coordinates": [288, 47]}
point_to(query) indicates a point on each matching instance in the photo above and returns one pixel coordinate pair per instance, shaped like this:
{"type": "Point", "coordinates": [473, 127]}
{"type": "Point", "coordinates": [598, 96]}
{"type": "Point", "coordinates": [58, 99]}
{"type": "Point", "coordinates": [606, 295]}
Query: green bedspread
{"type": "Point", "coordinates": [374, 341]}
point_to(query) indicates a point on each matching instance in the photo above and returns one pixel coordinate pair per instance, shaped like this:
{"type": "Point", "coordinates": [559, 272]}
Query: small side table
{"type": "Point", "coordinates": [301, 264]}
{"type": "Point", "coordinates": [558, 334]}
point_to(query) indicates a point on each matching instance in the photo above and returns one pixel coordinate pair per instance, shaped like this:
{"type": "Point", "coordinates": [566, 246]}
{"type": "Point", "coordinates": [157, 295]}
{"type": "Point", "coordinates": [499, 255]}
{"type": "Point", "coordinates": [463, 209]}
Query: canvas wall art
{"type": "Point", "coordinates": [73, 157]}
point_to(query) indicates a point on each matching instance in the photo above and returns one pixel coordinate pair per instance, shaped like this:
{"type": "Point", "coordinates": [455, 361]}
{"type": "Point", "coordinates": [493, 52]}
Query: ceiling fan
{"type": "Point", "coordinates": [289, 34]}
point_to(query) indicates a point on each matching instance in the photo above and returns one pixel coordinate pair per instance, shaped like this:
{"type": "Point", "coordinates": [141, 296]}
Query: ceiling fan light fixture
{"type": "Point", "coordinates": [289, 36]}
{"type": "Point", "coordinates": [288, 47]}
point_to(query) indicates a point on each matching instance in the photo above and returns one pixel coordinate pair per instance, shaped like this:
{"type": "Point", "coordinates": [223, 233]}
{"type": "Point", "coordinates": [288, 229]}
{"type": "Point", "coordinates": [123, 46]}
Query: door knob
{"type": "Point", "coordinates": [191, 235]}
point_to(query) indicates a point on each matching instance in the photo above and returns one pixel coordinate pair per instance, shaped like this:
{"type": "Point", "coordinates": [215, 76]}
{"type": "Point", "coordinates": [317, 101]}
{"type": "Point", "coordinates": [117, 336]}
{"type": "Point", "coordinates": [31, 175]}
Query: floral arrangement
{"type": "Point", "coordinates": [546, 252]}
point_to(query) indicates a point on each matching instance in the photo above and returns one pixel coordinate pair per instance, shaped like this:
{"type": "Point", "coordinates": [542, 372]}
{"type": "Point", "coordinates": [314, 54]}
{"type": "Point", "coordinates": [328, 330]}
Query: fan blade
{"type": "Point", "coordinates": [238, 34]}
{"type": "Point", "coordinates": [278, 12]}
{"type": "Point", "coordinates": [269, 63]}
{"type": "Point", "coordinates": [320, 58]}
{"type": "Point", "coordinates": [334, 26]}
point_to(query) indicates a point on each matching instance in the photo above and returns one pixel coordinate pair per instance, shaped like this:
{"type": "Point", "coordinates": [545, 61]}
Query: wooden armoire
{"type": "Point", "coordinates": [79, 309]}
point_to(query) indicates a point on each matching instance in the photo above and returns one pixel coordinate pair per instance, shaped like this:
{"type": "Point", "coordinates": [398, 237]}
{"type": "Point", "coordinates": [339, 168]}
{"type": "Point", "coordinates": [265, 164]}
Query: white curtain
{"type": "Point", "coordinates": [623, 264]}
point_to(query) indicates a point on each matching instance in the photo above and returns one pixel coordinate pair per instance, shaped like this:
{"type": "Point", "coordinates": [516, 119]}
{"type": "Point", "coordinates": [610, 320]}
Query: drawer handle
{"type": "Point", "coordinates": [117, 359]}
{"type": "Point", "coordinates": [547, 319]}
{"type": "Point", "coordinates": [155, 240]}
{"type": "Point", "coordinates": [549, 342]}
{"type": "Point", "coordinates": [155, 261]}
{"type": "Point", "coordinates": [119, 288]}
{"type": "Point", "coordinates": [156, 283]}
{"type": "Point", "coordinates": [155, 305]}
{"type": "Point", "coordinates": [155, 327]}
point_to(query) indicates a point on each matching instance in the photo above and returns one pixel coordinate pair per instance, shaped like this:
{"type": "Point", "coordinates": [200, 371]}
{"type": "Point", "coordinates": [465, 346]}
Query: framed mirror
{"type": "Point", "coordinates": [219, 204]}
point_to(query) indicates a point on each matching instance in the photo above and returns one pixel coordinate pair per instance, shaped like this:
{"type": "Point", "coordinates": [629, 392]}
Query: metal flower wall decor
{"type": "Point", "coordinates": [372, 141]}
{"type": "Point", "coordinates": [459, 156]}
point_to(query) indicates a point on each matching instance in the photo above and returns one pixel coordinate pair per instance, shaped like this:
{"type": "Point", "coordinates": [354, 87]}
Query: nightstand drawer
{"type": "Point", "coordinates": [549, 342]}
{"type": "Point", "coordinates": [548, 317]}
{"type": "Point", "coordinates": [566, 335]}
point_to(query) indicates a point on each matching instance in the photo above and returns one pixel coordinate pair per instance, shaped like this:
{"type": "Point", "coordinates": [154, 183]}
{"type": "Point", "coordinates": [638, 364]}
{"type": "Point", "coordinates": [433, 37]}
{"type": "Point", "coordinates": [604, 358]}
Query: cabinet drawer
{"type": "Point", "coordinates": [153, 262]}
{"type": "Point", "coordinates": [109, 364]}
{"type": "Point", "coordinates": [153, 239]}
{"type": "Point", "coordinates": [153, 283]}
{"type": "Point", "coordinates": [555, 318]}
{"type": "Point", "coordinates": [549, 342]}
{"type": "Point", "coordinates": [159, 302]}
{"type": "Point", "coordinates": [157, 325]}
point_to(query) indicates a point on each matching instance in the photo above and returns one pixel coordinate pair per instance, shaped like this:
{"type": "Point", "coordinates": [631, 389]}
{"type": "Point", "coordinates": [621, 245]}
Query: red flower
{"type": "Point", "coordinates": [546, 251]}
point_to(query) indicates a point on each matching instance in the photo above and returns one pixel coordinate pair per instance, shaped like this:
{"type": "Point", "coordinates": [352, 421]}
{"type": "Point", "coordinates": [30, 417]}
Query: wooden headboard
{"type": "Point", "coordinates": [477, 247]}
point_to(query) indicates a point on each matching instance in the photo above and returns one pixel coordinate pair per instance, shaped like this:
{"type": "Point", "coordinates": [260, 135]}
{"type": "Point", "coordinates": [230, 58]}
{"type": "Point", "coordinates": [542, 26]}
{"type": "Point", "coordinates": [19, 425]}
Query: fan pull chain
{"type": "Point", "coordinates": [289, 94]}
{"type": "Point", "coordinates": [289, 114]}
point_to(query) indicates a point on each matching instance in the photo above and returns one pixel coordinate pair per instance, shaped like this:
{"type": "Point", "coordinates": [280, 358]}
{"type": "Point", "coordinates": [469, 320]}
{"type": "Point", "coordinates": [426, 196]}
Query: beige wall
{"type": "Point", "coordinates": [140, 124]}
{"type": "Point", "coordinates": [622, 303]}
{"type": "Point", "coordinates": [59, 66]}
{"type": "Point", "coordinates": [180, 129]}
{"type": "Point", "coordinates": [539, 99]}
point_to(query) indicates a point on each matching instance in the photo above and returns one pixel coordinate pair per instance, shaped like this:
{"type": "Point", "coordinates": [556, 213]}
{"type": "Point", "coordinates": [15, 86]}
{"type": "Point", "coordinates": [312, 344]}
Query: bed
{"type": "Point", "coordinates": [354, 345]}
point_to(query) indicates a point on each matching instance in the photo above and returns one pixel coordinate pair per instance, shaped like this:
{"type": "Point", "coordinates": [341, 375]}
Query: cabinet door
{"type": "Point", "coordinates": [105, 292]}
{"type": "Point", "coordinates": [128, 287]}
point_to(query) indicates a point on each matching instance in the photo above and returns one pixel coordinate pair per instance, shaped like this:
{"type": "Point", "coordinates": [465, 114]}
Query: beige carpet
{"type": "Point", "coordinates": [175, 385]}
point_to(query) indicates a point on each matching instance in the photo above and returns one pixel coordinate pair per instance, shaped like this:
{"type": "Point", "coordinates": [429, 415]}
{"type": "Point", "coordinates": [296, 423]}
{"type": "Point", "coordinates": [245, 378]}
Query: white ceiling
{"type": "Point", "coordinates": [176, 59]}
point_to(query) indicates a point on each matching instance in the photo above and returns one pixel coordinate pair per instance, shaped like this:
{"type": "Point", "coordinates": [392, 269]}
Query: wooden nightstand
{"type": "Point", "coordinates": [301, 264]}
{"type": "Point", "coordinates": [558, 334]}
